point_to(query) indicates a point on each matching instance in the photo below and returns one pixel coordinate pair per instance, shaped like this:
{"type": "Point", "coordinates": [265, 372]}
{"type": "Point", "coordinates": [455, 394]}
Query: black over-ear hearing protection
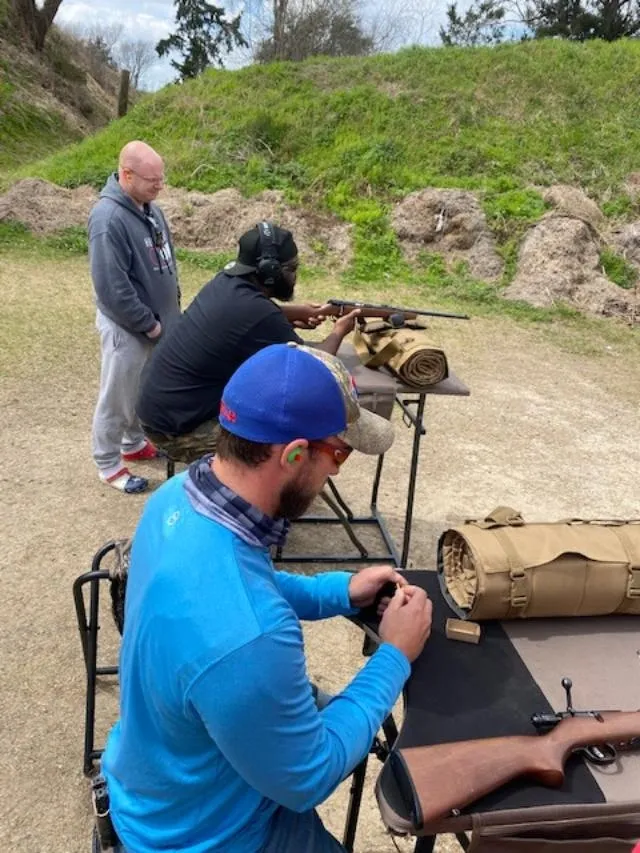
{"type": "Point", "coordinates": [269, 267]}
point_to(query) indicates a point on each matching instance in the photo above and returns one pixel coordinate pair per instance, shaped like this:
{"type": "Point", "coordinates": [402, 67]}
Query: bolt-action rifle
{"type": "Point", "coordinates": [396, 316]}
{"type": "Point", "coordinates": [435, 780]}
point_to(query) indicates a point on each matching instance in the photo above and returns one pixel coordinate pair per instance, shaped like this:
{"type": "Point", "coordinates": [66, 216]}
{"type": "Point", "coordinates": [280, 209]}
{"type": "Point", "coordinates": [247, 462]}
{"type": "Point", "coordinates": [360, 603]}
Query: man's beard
{"type": "Point", "coordinates": [295, 500]}
{"type": "Point", "coordinates": [282, 289]}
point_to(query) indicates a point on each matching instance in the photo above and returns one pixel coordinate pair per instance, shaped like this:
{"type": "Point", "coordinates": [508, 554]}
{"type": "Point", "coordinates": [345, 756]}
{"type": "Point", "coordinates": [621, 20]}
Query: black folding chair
{"type": "Point", "coordinates": [89, 626]}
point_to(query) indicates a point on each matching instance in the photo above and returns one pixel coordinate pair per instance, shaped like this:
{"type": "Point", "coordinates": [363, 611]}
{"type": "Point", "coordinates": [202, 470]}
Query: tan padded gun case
{"type": "Point", "coordinates": [503, 568]}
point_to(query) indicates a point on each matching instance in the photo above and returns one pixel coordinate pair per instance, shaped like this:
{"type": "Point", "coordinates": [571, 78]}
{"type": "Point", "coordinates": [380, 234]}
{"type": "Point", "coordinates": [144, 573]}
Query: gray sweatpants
{"type": "Point", "coordinates": [116, 427]}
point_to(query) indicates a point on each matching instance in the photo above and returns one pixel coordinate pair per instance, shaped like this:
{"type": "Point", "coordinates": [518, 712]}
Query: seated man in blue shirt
{"type": "Point", "coordinates": [220, 745]}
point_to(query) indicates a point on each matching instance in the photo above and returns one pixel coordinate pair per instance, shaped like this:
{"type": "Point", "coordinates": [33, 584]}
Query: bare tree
{"type": "Point", "coordinates": [386, 25]}
{"type": "Point", "coordinates": [280, 18]}
{"type": "Point", "coordinates": [137, 56]}
{"type": "Point", "coordinates": [397, 23]}
{"type": "Point", "coordinates": [34, 22]}
{"type": "Point", "coordinates": [315, 28]}
{"type": "Point", "coordinates": [99, 39]}
{"type": "Point", "coordinates": [107, 35]}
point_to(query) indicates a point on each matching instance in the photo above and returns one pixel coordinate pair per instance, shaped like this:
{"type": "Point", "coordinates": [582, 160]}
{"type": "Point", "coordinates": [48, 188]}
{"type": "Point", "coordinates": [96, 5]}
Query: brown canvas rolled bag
{"type": "Point", "coordinates": [406, 352]}
{"type": "Point", "coordinates": [500, 567]}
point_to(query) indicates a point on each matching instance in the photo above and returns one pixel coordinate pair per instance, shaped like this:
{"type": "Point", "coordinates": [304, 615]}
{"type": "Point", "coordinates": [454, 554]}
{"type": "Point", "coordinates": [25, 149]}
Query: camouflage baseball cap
{"type": "Point", "coordinates": [288, 391]}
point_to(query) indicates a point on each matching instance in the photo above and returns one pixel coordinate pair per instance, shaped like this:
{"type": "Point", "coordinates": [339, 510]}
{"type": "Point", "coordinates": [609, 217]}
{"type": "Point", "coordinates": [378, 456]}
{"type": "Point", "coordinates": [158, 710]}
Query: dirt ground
{"type": "Point", "coordinates": [551, 428]}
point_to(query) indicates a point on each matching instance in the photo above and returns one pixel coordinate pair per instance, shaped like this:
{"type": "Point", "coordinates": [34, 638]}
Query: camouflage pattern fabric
{"type": "Point", "coordinates": [190, 446]}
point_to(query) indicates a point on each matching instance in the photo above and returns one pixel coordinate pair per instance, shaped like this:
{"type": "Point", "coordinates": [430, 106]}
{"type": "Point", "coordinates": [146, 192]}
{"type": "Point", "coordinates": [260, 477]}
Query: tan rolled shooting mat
{"type": "Point", "coordinates": [405, 352]}
{"type": "Point", "coordinates": [503, 568]}
{"type": "Point", "coordinates": [459, 692]}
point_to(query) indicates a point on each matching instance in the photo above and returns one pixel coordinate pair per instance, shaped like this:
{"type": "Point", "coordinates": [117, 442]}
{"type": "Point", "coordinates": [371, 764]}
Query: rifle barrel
{"type": "Point", "coordinates": [393, 309]}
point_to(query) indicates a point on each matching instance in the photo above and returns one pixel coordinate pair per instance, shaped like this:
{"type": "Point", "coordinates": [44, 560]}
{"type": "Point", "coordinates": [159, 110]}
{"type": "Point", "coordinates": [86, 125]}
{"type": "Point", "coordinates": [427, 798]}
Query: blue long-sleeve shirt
{"type": "Point", "coordinates": [218, 722]}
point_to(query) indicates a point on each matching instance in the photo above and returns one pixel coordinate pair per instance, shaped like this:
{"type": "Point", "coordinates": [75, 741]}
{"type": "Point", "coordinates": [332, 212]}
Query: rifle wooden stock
{"type": "Point", "coordinates": [453, 775]}
{"type": "Point", "coordinates": [367, 311]}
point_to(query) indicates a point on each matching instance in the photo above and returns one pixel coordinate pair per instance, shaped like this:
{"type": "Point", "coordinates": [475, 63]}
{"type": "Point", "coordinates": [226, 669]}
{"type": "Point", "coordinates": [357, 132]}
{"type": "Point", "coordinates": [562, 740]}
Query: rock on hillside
{"type": "Point", "coordinates": [450, 223]}
{"type": "Point", "coordinates": [209, 222]}
{"type": "Point", "coordinates": [559, 259]}
{"type": "Point", "coordinates": [215, 221]}
{"type": "Point", "coordinates": [573, 202]}
{"type": "Point", "coordinates": [626, 241]}
{"type": "Point", "coordinates": [46, 208]}
{"type": "Point", "coordinates": [559, 262]}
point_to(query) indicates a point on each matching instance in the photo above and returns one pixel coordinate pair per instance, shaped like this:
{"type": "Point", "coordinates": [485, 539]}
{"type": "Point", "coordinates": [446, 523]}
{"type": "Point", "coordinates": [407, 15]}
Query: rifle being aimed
{"type": "Point", "coordinates": [438, 779]}
{"type": "Point", "coordinates": [396, 316]}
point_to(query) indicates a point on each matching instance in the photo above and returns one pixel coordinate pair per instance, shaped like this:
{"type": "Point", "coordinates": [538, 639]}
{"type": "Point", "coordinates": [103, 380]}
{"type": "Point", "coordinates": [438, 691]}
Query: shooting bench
{"type": "Point", "coordinates": [379, 392]}
{"type": "Point", "coordinates": [458, 691]}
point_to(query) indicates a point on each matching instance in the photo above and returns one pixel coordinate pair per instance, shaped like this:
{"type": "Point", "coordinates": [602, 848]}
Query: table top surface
{"type": "Point", "coordinates": [458, 691]}
{"type": "Point", "coordinates": [384, 382]}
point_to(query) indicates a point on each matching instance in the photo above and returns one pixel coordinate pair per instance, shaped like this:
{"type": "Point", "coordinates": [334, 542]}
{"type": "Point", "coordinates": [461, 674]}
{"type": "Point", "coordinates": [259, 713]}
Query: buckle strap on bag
{"type": "Point", "coordinates": [633, 584]}
{"type": "Point", "coordinates": [520, 588]}
{"type": "Point", "coordinates": [502, 516]}
{"type": "Point", "coordinates": [107, 834]}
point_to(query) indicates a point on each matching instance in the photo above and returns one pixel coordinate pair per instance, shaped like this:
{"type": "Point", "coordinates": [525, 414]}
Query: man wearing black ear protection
{"type": "Point", "coordinates": [230, 319]}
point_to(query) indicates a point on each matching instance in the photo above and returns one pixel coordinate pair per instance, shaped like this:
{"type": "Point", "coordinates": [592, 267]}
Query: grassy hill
{"type": "Point", "coordinates": [355, 135]}
{"type": "Point", "coordinates": [49, 100]}
{"type": "Point", "coordinates": [486, 118]}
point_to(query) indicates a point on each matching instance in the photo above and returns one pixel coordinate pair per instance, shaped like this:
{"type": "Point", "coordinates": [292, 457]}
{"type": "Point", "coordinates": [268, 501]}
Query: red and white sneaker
{"type": "Point", "coordinates": [147, 451]}
{"type": "Point", "coordinates": [124, 481]}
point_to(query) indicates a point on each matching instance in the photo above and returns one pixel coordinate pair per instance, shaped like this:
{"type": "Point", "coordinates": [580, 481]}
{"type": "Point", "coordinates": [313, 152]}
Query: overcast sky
{"type": "Point", "coordinates": [153, 19]}
{"type": "Point", "coordinates": [142, 19]}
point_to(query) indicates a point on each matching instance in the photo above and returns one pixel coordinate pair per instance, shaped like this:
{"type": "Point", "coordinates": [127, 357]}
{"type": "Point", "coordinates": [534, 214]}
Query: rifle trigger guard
{"type": "Point", "coordinates": [600, 754]}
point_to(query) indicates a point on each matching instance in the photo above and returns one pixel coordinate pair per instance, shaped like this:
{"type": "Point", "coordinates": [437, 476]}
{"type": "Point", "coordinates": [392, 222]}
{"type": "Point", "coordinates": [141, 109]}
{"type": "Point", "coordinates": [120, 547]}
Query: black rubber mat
{"type": "Point", "coordinates": [458, 691]}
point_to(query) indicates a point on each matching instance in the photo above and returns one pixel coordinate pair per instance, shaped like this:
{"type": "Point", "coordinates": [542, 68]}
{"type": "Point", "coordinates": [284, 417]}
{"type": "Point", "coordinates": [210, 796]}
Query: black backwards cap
{"type": "Point", "coordinates": [250, 250]}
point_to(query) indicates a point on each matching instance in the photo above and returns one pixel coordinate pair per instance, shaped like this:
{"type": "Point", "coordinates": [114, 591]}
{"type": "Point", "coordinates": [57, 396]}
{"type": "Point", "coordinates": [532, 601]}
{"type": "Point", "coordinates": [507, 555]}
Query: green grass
{"type": "Point", "coordinates": [211, 262]}
{"type": "Point", "coordinates": [619, 270]}
{"type": "Point", "coordinates": [498, 119]}
{"type": "Point", "coordinates": [16, 238]}
{"type": "Point", "coordinates": [429, 285]}
{"type": "Point", "coordinates": [26, 130]}
{"type": "Point", "coordinates": [353, 136]}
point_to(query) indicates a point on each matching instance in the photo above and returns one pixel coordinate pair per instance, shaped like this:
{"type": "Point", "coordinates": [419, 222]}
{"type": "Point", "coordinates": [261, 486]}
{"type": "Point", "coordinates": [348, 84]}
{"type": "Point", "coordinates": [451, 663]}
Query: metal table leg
{"type": "Point", "coordinates": [339, 499]}
{"type": "Point", "coordinates": [355, 800]}
{"type": "Point", "coordinates": [343, 518]}
{"type": "Point", "coordinates": [380, 750]}
{"type": "Point", "coordinates": [417, 421]}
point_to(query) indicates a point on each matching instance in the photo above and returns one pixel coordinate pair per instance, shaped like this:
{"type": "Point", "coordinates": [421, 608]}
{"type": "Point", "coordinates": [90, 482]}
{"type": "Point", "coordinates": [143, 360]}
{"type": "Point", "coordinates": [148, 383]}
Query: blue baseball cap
{"type": "Point", "coordinates": [288, 391]}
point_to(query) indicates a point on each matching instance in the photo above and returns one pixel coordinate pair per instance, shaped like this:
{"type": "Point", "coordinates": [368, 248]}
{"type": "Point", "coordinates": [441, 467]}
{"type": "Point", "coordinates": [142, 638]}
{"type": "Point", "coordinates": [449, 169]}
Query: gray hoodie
{"type": "Point", "coordinates": [132, 261]}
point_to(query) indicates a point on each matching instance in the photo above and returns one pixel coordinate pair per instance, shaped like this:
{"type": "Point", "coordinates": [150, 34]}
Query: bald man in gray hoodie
{"type": "Point", "coordinates": [137, 295]}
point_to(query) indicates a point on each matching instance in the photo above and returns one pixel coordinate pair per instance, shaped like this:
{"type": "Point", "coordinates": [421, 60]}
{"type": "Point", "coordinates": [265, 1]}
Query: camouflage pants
{"type": "Point", "coordinates": [188, 447]}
